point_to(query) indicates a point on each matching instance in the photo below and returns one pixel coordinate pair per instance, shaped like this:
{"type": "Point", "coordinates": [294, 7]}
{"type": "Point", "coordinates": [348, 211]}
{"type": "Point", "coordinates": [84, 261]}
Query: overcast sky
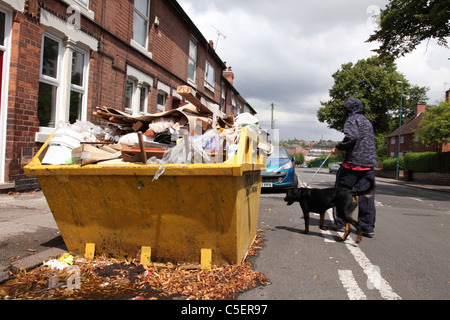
{"type": "Point", "coordinates": [286, 51]}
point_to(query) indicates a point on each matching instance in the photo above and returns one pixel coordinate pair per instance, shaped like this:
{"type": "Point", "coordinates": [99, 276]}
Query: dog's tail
{"type": "Point", "coordinates": [365, 192]}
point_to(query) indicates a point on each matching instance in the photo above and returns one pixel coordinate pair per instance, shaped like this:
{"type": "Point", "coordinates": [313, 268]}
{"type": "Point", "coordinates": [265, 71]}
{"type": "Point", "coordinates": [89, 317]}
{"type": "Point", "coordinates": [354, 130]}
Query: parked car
{"type": "Point", "coordinates": [280, 172]}
{"type": "Point", "coordinates": [334, 168]}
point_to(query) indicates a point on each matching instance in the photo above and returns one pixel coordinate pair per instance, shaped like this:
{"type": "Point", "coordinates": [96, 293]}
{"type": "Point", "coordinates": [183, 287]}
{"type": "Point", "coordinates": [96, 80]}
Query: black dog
{"type": "Point", "coordinates": [320, 200]}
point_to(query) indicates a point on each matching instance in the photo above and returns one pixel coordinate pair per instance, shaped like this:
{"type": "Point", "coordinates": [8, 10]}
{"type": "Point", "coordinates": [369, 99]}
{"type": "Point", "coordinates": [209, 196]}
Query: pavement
{"type": "Point", "coordinates": [29, 235]}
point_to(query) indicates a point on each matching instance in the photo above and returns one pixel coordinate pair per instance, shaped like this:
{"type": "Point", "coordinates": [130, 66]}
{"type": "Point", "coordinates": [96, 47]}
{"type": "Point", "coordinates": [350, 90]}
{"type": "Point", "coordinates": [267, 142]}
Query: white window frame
{"type": "Point", "coordinates": [129, 108]}
{"type": "Point", "coordinates": [159, 106]}
{"type": "Point", "coordinates": [143, 98]}
{"type": "Point", "coordinates": [164, 91]}
{"type": "Point", "coordinates": [223, 100]}
{"type": "Point", "coordinates": [56, 82]}
{"type": "Point", "coordinates": [233, 102]}
{"type": "Point", "coordinates": [83, 89]}
{"type": "Point", "coordinates": [141, 81]}
{"type": "Point", "coordinates": [210, 75]}
{"type": "Point", "coordinates": [192, 59]}
{"type": "Point", "coordinates": [146, 17]}
{"type": "Point", "coordinates": [135, 99]}
{"type": "Point", "coordinates": [63, 82]}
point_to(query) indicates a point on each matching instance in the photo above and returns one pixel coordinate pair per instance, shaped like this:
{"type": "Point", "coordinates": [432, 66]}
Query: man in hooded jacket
{"type": "Point", "coordinates": [357, 169]}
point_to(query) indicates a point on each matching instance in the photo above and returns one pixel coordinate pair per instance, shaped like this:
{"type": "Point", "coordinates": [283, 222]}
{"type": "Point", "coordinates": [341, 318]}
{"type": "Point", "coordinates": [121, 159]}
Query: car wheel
{"type": "Point", "coordinates": [295, 181]}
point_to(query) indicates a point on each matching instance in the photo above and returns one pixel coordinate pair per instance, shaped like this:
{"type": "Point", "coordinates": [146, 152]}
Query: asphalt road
{"type": "Point", "coordinates": [407, 259]}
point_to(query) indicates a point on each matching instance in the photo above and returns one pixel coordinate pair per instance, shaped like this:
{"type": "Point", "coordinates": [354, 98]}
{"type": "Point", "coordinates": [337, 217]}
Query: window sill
{"type": "Point", "coordinates": [83, 10]}
{"type": "Point", "coordinates": [141, 49]}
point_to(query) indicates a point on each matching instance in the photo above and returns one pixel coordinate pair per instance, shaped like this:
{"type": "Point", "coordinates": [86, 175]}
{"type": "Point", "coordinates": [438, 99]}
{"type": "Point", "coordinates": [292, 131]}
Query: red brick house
{"type": "Point", "coordinates": [60, 59]}
{"type": "Point", "coordinates": [408, 141]}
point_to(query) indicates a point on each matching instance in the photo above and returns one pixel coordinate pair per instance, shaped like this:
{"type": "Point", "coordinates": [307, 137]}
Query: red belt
{"type": "Point", "coordinates": [357, 168]}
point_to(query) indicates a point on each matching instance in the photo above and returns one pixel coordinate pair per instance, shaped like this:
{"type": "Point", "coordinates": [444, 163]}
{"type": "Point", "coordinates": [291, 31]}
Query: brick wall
{"type": "Point", "coordinates": [22, 123]}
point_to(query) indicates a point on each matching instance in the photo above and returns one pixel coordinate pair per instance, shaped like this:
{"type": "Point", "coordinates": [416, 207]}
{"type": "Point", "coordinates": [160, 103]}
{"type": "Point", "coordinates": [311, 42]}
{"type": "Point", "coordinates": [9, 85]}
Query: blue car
{"type": "Point", "coordinates": [280, 172]}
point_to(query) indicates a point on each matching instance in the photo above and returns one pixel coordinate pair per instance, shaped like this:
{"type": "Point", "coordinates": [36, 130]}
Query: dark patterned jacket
{"type": "Point", "coordinates": [359, 140]}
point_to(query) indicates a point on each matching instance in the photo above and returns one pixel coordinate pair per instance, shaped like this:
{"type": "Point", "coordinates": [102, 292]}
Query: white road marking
{"type": "Point", "coordinates": [374, 278]}
{"type": "Point", "coordinates": [350, 285]}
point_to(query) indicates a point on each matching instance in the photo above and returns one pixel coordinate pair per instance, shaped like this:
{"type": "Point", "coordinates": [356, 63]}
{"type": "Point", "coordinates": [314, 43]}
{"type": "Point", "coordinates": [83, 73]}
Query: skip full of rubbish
{"type": "Point", "coordinates": [197, 132]}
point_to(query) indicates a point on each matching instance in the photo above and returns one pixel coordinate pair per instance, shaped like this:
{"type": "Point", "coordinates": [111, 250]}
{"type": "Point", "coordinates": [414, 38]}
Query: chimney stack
{"type": "Point", "coordinates": [447, 96]}
{"type": "Point", "coordinates": [211, 43]}
{"type": "Point", "coordinates": [421, 107]}
{"type": "Point", "coordinates": [228, 74]}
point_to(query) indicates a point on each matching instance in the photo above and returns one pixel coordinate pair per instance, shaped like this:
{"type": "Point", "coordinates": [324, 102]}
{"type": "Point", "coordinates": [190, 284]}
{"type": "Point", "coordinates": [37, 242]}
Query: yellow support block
{"type": "Point", "coordinates": [89, 251]}
{"type": "Point", "coordinates": [146, 256]}
{"type": "Point", "coordinates": [205, 259]}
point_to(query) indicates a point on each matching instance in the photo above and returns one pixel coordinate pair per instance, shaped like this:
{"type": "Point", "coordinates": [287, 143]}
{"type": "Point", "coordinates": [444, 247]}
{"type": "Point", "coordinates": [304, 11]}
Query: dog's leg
{"type": "Point", "coordinates": [321, 226]}
{"type": "Point", "coordinates": [356, 224]}
{"type": "Point", "coordinates": [358, 231]}
{"type": "Point", "coordinates": [306, 218]}
{"type": "Point", "coordinates": [348, 211]}
{"type": "Point", "coordinates": [346, 232]}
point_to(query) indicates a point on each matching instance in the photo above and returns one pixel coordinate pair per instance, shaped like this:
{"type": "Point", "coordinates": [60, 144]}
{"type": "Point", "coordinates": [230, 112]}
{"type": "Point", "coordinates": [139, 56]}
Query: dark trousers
{"type": "Point", "coordinates": [359, 181]}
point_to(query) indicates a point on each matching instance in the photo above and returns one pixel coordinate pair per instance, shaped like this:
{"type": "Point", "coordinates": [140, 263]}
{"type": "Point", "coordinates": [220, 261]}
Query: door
{"type": "Point", "coordinates": [5, 44]}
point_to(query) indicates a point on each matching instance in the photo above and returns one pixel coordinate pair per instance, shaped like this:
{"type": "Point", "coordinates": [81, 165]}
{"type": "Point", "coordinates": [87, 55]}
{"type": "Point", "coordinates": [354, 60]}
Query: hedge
{"type": "Point", "coordinates": [428, 162]}
{"type": "Point", "coordinates": [391, 164]}
{"type": "Point", "coordinates": [421, 162]}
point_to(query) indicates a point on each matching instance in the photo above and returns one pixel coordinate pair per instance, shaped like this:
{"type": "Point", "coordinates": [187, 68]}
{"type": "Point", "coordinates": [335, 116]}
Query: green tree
{"type": "Point", "coordinates": [406, 23]}
{"type": "Point", "coordinates": [374, 82]}
{"type": "Point", "coordinates": [299, 157]}
{"type": "Point", "coordinates": [435, 125]}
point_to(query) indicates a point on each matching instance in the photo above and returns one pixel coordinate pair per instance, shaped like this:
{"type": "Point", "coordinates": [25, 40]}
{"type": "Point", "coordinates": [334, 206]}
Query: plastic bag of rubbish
{"type": "Point", "coordinates": [249, 121]}
{"type": "Point", "coordinates": [246, 118]}
{"type": "Point", "coordinates": [62, 263]}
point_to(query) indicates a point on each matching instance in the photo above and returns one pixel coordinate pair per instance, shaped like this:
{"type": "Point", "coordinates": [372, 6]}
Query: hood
{"type": "Point", "coordinates": [274, 164]}
{"type": "Point", "coordinates": [353, 106]}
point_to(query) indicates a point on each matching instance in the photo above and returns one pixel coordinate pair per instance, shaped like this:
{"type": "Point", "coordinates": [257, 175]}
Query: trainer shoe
{"type": "Point", "coordinates": [368, 234]}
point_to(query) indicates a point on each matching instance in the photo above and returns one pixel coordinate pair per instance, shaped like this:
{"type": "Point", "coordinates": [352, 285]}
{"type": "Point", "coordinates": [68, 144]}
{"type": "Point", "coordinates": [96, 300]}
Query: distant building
{"type": "Point", "coordinates": [408, 140]}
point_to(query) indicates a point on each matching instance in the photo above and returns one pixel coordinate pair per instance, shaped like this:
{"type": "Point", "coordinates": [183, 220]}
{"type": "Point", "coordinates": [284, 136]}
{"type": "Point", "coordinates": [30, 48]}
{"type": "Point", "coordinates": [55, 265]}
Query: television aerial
{"type": "Point", "coordinates": [219, 34]}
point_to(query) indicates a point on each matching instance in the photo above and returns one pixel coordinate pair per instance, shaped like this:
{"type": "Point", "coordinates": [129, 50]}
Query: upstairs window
{"type": "Point", "coordinates": [141, 19]}
{"type": "Point", "coordinates": [192, 61]}
{"type": "Point", "coordinates": [84, 3]}
{"type": "Point", "coordinates": [210, 75]}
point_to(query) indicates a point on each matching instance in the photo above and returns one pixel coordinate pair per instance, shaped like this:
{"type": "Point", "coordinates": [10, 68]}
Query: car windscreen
{"type": "Point", "coordinates": [281, 154]}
